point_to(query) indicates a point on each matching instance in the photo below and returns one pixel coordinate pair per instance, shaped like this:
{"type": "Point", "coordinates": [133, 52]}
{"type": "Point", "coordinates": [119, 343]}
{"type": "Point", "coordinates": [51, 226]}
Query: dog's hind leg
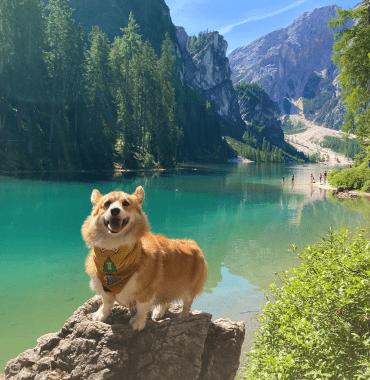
{"type": "Point", "coordinates": [188, 301]}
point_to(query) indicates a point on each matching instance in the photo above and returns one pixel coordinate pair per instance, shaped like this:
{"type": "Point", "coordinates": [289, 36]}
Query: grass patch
{"type": "Point", "coordinates": [317, 324]}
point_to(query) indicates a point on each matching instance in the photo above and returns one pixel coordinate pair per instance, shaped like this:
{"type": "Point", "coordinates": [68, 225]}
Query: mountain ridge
{"type": "Point", "coordinates": [295, 62]}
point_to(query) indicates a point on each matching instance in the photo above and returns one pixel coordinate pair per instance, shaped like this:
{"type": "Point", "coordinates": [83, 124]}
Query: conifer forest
{"type": "Point", "coordinates": [71, 104]}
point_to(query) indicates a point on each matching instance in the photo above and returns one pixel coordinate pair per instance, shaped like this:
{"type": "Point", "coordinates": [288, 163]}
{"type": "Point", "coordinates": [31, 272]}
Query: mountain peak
{"type": "Point", "coordinates": [292, 62]}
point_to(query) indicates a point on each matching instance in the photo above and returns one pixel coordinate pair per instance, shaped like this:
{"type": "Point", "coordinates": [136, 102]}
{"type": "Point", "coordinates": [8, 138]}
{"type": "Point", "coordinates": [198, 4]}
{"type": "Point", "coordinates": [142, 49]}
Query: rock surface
{"type": "Point", "coordinates": [207, 70]}
{"type": "Point", "coordinates": [295, 63]}
{"type": "Point", "coordinates": [172, 348]}
{"type": "Point", "coordinates": [341, 192]}
{"type": "Point", "coordinates": [257, 107]}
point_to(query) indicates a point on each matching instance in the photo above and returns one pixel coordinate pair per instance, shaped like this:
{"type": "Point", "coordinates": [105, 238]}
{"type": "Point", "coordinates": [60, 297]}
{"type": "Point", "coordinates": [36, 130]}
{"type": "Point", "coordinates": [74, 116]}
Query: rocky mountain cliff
{"type": "Point", "coordinates": [258, 110]}
{"type": "Point", "coordinates": [207, 70]}
{"type": "Point", "coordinates": [294, 67]}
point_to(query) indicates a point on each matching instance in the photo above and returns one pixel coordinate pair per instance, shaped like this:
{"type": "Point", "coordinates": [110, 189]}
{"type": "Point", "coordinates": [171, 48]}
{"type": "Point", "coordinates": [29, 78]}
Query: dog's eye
{"type": "Point", "coordinates": [125, 203]}
{"type": "Point", "coordinates": [107, 204]}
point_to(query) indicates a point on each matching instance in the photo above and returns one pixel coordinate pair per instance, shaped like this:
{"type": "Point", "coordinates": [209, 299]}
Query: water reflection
{"type": "Point", "coordinates": [243, 218]}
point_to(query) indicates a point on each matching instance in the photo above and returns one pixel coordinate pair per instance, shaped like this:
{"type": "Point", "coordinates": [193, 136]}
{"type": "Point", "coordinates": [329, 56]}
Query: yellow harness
{"type": "Point", "coordinates": [116, 267]}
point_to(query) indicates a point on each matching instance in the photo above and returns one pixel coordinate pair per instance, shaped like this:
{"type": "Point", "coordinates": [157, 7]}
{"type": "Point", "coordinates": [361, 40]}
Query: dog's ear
{"type": "Point", "coordinates": [139, 194]}
{"type": "Point", "coordinates": [95, 196]}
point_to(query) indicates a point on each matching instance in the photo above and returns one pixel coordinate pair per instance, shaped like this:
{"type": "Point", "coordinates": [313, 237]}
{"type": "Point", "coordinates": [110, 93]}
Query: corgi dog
{"type": "Point", "coordinates": [130, 265]}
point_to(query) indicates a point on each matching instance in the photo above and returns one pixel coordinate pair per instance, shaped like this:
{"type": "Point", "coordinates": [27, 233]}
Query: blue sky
{"type": "Point", "coordinates": [242, 21]}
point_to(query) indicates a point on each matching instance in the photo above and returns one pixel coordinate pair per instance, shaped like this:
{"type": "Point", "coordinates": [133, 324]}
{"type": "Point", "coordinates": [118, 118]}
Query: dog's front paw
{"type": "Point", "coordinates": [137, 323]}
{"type": "Point", "coordinates": [99, 315]}
{"type": "Point", "coordinates": [158, 312]}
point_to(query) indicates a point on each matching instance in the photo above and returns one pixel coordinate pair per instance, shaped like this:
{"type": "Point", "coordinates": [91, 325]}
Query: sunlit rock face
{"type": "Point", "coordinates": [207, 70]}
{"type": "Point", "coordinates": [295, 62]}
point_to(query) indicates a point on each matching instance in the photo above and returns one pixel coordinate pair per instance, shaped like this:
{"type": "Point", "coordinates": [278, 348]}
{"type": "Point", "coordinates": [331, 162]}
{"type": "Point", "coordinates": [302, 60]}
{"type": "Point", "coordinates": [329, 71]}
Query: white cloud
{"type": "Point", "coordinates": [261, 15]}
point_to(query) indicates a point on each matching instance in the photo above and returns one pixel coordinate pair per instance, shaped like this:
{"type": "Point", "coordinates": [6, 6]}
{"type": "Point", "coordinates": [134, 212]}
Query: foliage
{"type": "Point", "coordinates": [351, 54]}
{"type": "Point", "coordinates": [64, 107]}
{"type": "Point", "coordinates": [265, 152]}
{"type": "Point", "coordinates": [359, 158]}
{"type": "Point", "coordinates": [200, 124]}
{"type": "Point", "coordinates": [292, 153]}
{"type": "Point", "coordinates": [195, 45]}
{"type": "Point", "coordinates": [316, 157]}
{"type": "Point", "coordinates": [290, 128]}
{"type": "Point", "coordinates": [349, 148]}
{"type": "Point", "coordinates": [253, 98]}
{"type": "Point", "coordinates": [250, 90]}
{"type": "Point", "coordinates": [352, 178]}
{"type": "Point", "coordinates": [311, 106]}
{"type": "Point", "coordinates": [316, 325]}
{"type": "Point", "coordinates": [366, 186]}
{"type": "Point", "coordinates": [152, 16]}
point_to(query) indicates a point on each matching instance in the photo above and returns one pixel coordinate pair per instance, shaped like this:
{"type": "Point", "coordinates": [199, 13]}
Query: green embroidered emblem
{"type": "Point", "coordinates": [109, 266]}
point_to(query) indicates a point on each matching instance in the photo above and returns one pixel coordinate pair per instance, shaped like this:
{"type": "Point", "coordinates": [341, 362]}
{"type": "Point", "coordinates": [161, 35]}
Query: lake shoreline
{"type": "Point", "coordinates": [328, 187]}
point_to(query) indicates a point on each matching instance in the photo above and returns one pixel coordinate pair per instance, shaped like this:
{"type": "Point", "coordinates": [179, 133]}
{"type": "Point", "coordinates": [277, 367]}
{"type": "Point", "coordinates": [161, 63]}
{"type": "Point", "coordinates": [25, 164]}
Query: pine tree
{"type": "Point", "coordinates": [168, 130]}
{"type": "Point", "coordinates": [101, 133]}
{"type": "Point", "coordinates": [75, 84]}
{"type": "Point", "coordinates": [22, 69]}
{"type": "Point", "coordinates": [60, 33]}
{"type": "Point", "coordinates": [151, 97]}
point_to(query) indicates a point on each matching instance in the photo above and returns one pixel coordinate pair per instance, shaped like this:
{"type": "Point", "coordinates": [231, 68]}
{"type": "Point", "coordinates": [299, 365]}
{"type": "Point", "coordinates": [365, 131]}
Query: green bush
{"type": "Point", "coordinates": [366, 187]}
{"type": "Point", "coordinates": [317, 324]}
{"type": "Point", "coordinates": [352, 179]}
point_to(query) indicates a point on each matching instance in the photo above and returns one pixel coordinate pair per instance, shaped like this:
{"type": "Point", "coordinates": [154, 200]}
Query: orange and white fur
{"type": "Point", "coordinates": [169, 270]}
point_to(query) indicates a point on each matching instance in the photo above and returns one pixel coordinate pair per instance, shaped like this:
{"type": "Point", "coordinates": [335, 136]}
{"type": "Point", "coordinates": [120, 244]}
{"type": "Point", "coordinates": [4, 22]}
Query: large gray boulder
{"type": "Point", "coordinates": [174, 347]}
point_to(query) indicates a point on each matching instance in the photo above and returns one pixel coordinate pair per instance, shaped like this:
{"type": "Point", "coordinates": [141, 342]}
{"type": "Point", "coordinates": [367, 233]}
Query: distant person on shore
{"type": "Point", "coordinates": [283, 180]}
{"type": "Point", "coordinates": [320, 176]}
{"type": "Point", "coordinates": [292, 177]}
{"type": "Point", "coordinates": [312, 178]}
{"type": "Point", "coordinates": [325, 174]}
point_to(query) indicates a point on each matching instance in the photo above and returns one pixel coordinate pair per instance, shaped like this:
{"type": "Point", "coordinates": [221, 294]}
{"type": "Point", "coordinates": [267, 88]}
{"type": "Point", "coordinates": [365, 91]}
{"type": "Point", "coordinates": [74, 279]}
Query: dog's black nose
{"type": "Point", "coordinates": [114, 211]}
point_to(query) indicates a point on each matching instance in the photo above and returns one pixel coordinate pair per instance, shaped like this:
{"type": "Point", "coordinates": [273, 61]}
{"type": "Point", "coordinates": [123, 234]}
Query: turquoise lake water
{"type": "Point", "coordinates": [241, 216]}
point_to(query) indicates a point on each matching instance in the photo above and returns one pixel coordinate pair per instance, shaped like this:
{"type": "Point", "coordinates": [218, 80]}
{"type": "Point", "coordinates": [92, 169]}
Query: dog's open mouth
{"type": "Point", "coordinates": [115, 225]}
